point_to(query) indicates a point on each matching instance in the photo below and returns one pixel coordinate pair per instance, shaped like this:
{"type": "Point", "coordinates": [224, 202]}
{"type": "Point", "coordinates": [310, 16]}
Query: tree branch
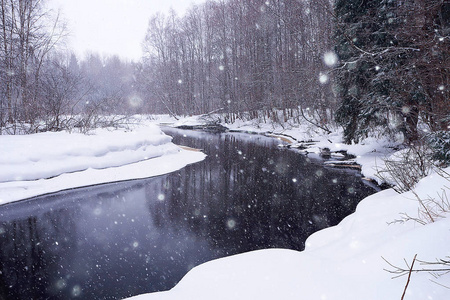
{"type": "Point", "coordinates": [409, 276]}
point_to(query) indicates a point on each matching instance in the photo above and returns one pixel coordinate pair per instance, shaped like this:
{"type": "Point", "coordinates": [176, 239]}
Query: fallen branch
{"type": "Point", "coordinates": [399, 271]}
{"type": "Point", "coordinates": [409, 276]}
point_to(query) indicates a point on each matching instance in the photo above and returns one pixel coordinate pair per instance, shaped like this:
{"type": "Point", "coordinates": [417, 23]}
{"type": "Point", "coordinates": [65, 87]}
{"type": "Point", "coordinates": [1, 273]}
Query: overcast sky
{"type": "Point", "coordinates": [112, 26]}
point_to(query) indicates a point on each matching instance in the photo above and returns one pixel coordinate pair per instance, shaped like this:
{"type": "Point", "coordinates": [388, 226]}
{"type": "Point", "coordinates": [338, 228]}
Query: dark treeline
{"type": "Point", "coordinates": [394, 67]}
{"type": "Point", "coordinates": [240, 56]}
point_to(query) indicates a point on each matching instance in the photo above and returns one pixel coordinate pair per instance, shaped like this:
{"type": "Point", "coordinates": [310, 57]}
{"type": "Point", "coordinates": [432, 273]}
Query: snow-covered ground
{"type": "Point", "coordinates": [347, 261]}
{"type": "Point", "coordinates": [342, 262]}
{"type": "Point", "coordinates": [37, 164]}
{"type": "Point", "coordinates": [370, 153]}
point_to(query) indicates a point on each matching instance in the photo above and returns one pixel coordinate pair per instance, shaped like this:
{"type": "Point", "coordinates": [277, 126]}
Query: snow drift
{"type": "Point", "coordinates": [346, 261]}
{"type": "Point", "coordinates": [37, 164]}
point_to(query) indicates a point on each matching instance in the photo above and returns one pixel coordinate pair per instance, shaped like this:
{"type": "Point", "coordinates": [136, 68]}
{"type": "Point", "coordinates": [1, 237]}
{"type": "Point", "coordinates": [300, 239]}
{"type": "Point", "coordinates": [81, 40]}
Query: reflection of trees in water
{"type": "Point", "coordinates": [250, 197]}
{"type": "Point", "coordinates": [30, 254]}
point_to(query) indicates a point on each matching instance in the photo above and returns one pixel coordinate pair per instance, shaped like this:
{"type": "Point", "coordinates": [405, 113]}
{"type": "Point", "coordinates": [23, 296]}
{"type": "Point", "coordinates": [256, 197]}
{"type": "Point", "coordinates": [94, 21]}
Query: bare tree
{"type": "Point", "coordinates": [61, 90]}
{"type": "Point", "coordinates": [29, 33]}
{"type": "Point", "coordinates": [243, 57]}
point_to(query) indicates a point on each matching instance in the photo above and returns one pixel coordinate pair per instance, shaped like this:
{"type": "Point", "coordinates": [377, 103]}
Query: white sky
{"type": "Point", "coordinates": [112, 26]}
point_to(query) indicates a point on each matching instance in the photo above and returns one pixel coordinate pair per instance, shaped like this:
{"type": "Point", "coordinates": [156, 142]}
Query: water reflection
{"type": "Point", "coordinates": [118, 240]}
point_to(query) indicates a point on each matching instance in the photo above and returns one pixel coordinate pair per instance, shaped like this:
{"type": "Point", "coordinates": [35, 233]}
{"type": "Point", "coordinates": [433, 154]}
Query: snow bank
{"type": "Point", "coordinates": [42, 163]}
{"type": "Point", "coordinates": [341, 262]}
{"type": "Point", "coordinates": [370, 153]}
{"type": "Point", "coordinates": [44, 155]}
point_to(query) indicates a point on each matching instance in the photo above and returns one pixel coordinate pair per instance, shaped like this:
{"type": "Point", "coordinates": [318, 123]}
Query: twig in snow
{"type": "Point", "coordinates": [409, 276]}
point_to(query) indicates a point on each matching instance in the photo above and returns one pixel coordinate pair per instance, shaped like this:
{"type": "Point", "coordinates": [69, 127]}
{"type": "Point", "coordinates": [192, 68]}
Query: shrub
{"type": "Point", "coordinates": [406, 167]}
{"type": "Point", "coordinates": [440, 144]}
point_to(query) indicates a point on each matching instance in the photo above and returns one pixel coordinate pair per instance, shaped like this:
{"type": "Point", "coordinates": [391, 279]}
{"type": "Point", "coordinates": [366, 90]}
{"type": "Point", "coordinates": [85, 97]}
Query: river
{"type": "Point", "coordinates": [121, 239]}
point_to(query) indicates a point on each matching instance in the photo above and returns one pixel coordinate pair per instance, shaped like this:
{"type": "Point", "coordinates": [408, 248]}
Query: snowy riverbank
{"type": "Point", "coordinates": [341, 262]}
{"type": "Point", "coordinates": [369, 154]}
{"type": "Point", "coordinates": [48, 162]}
{"type": "Point", "coordinates": [347, 261]}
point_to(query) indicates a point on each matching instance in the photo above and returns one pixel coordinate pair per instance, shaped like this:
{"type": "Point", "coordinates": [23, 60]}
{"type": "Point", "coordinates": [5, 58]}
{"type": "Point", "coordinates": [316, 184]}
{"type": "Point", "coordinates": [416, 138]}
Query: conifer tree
{"type": "Point", "coordinates": [360, 36]}
{"type": "Point", "coordinates": [394, 66]}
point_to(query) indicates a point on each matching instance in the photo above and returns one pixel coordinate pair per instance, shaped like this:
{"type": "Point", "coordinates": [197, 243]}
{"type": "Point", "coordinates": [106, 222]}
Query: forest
{"type": "Point", "coordinates": [372, 67]}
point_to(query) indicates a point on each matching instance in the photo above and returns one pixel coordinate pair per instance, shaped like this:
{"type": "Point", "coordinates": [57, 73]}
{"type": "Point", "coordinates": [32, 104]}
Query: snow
{"type": "Point", "coordinates": [347, 261]}
{"type": "Point", "coordinates": [43, 163]}
{"type": "Point", "coordinates": [370, 153]}
{"type": "Point", "coordinates": [341, 262]}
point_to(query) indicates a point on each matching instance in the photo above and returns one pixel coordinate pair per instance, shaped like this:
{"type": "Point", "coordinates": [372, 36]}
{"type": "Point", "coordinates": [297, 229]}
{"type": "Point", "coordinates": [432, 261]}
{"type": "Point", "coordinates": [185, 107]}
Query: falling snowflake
{"type": "Point", "coordinates": [135, 101]}
{"type": "Point", "coordinates": [60, 284]}
{"type": "Point", "coordinates": [76, 291]}
{"type": "Point", "coordinates": [330, 58]}
{"type": "Point", "coordinates": [231, 223]}
{"type": "Point", "coordinates": [323, 78]}
{"type": "Point", "coordinates": [405, 110]}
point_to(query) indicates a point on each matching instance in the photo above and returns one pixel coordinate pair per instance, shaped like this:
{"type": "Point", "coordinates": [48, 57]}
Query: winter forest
{"type": "Point", "coordinates": [368, 66]}
{"type": "Point", "coordinates": [316, 161]}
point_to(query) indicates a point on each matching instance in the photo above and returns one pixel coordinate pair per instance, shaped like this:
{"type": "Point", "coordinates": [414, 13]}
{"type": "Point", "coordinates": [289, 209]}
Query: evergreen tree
{"type": "Point", "coordinates": [393, 59]}
{"type": "Point", "coordinates": [360, 35]}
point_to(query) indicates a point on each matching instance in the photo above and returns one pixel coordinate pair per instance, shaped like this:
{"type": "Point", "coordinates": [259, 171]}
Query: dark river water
{"type": "Point", "coordinates": [121, 239]}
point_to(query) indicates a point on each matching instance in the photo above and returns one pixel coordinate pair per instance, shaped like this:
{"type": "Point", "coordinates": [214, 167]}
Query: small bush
{"type": "Point", "coordinates": [406, 167]}
{"type": "Point", "coordinates": [440, 144]}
